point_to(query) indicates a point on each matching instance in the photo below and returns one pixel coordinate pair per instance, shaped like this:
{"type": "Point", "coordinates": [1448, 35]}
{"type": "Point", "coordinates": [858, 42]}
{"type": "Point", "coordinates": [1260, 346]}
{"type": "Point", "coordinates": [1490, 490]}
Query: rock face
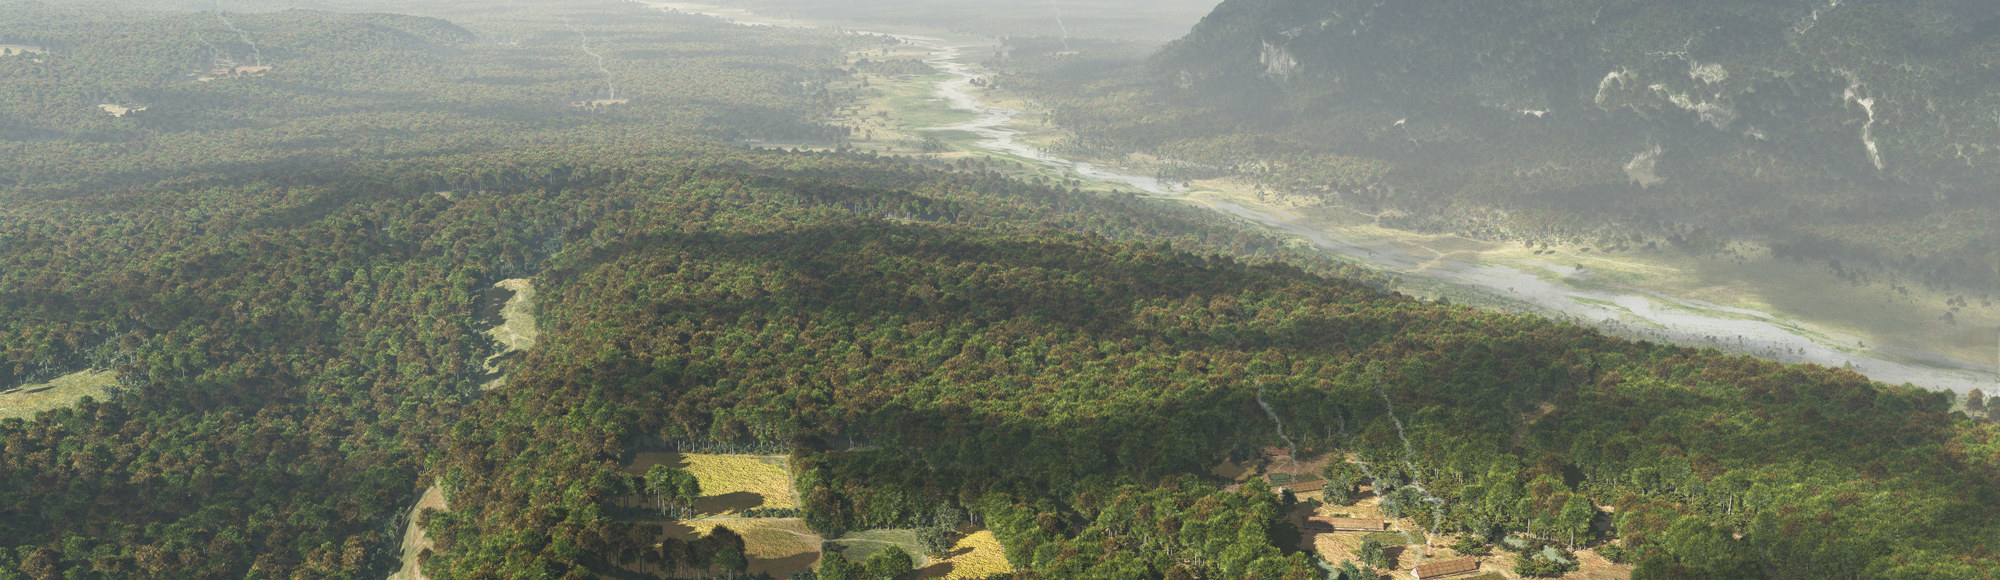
{"type": "Point", "coordinates": [1902, 91]}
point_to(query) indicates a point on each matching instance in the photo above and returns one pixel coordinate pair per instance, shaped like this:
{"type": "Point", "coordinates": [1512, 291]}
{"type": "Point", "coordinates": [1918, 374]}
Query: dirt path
{"type": "Point", "coordinates": [414, 541]}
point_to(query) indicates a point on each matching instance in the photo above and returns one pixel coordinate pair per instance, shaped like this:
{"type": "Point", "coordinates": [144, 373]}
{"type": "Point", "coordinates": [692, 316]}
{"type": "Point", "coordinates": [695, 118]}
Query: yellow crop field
{"type": "Point", "coordinates": [776, 546]}
{"type": "Point", "coordinates": [730, 483]}
{"type": "Point", "coordinates": [976, 555]}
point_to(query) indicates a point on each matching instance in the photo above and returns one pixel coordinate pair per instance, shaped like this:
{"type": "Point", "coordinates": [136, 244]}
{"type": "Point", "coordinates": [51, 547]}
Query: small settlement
{"type": "Point", "coordinates": [231, 72]}
{"type": "Point", "coordinates": [598, 104]}
{"type": "Point", "coordinates": [1323, 523]}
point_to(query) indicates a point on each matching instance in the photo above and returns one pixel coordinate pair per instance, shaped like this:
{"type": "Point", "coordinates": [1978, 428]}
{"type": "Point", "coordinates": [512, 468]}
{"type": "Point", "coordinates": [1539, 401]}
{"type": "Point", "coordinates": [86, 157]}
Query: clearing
{"type": "Point", "coordinates": [414, 541]}
{"type": "Point", "coordinates": [511, 309]}
{"type": "Point", "coordinates": [120, 110]}
{"type": "Point", "coordinates": [25, 401]}
{"type": "Point", "coordinates": [730, 484]}
{"type": "Point", "coordinates": [1403, 550]}
{"type": "Point", "coordinates": [775, 546]}
{"type": "Point", "coordinates": [858, 546]}
{"type": "Point", "coordinates": [976, 555]}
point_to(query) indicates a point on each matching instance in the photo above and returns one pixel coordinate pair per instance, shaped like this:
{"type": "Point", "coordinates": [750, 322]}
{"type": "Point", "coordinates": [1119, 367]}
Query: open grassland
{"type": "Point", "coordinates": [975, 555]}
{"type": "Point", "coordinates": [776, 546]}
{"type": "Point", "coordinates": [730, 484]}
{"type": "Point", "coordinates": [858, 546]}
{"type": "Point", "coordinates": [25, 401]}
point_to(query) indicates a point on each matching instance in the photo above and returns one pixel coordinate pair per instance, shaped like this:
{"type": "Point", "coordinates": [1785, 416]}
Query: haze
{"type": "Point", "coordinates": [898, 289]}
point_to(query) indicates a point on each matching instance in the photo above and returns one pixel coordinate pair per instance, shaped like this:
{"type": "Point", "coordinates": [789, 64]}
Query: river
{"type": "Point", "coordinates": [1626, 312]}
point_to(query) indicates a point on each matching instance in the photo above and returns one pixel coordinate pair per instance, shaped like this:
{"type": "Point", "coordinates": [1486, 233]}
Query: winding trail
{"type": "Point", "coordinates": [1535, 285]}
{"type": "Point", "coordinates": [516, 332]}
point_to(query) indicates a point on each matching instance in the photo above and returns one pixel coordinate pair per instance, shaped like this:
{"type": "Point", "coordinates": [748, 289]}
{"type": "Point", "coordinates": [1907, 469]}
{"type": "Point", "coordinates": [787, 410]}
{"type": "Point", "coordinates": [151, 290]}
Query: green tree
{"type": "Point", "coordinates": [1343, 482]}
{"type": "Point", "coordinates": [889, 564]}
{"type": "Point", "coordinates": [935, 540]}
{"type": "Point", "coordinates": [671, 485]}
{"type": "Point", "coordinates": [1372, 553]}
{"type": "Point", "coordinates": [835, 566]}
{"type": "Point", "coordinates": [1577, 514]}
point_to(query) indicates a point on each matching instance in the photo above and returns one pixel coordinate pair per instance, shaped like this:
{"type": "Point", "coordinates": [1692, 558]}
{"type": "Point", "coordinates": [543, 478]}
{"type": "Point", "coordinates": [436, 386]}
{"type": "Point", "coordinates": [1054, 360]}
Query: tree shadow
{"type": "Point", "coordinates": [936, 570]}
{"type": "Point", "coordinates": [782, 567]}
{"type": "Point", "coordinates": [732, 502]}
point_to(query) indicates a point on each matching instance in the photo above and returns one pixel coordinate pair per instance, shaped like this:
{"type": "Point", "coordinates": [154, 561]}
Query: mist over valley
{"type": "Point", "coordinates": [1021, 289]}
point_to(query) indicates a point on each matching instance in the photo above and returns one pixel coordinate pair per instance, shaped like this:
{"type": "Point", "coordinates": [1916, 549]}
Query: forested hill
{"type": "Point", "coordinates": [1853, 125]}
{"type": "Point", "coordinates": [284, 269]}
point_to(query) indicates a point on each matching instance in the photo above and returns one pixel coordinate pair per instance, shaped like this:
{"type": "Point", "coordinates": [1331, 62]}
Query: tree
{"type": "Point", "coordinates": [1342, 483]}
{"type": "Point", "coordinates": [1975, 402]}
{"type": "Point", "coordinates": [1577, 514]}
{"type": "Point", "coordinates": [1349, 571]}
{"type": "Point", "coordinates": [726, 550]}
{"type": "Point", "coordinates": [1532, 565]}
{"type": "Point", "coordinates": [1372, 553]}
{"type": "Point", "coordinates": [732, 560]}
{"type": "Point", "coordinates": [889, 564]}
{"type": "Point", "coordinates": [672, 485]}
{"type": "Point", "coordinates": [935, 540]}
{"type": "Point", "coordinates": [834, 566]}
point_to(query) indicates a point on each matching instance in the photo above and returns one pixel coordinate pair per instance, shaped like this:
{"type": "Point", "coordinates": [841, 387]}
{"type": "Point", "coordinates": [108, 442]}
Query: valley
{"type": "Point", "coordinates": [1737, 300]}
{"type": "Point", "coordinates": [786, 289]}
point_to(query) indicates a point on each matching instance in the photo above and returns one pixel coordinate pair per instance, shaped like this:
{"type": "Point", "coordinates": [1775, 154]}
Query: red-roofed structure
{"type": "Point", "coordinates": [1445, 568]}
{"type": "Point", "coordinates": [1348, 524]}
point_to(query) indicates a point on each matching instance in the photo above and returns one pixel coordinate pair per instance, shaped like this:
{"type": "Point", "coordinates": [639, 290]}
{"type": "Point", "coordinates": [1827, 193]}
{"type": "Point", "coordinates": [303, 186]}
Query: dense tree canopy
{"type": "Point", "coordinates": [287, 273]}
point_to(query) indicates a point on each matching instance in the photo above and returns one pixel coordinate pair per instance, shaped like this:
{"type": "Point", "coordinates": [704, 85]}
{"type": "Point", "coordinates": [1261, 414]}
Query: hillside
{"type": "Point", "coordinates": [280, 284]}
{"type": "Point", "coordinates": [1864, 131]}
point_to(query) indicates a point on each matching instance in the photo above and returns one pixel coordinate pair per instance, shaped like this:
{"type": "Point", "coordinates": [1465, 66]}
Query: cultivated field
{"type": "Point", "coordinates": [776, 546]}
{"type": "Point", "coordinates": [730, 484]}
{"type": "Point", "coordinates": [975, 555]}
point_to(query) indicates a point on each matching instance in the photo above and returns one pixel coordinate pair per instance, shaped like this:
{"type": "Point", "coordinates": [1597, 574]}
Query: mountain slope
{"type": "Point", "coordinates": [1871, 128]}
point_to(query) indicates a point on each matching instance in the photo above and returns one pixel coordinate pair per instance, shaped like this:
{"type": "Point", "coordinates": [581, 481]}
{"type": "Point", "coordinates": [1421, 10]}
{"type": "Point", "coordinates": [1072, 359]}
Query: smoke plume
{"type": "Point", "coordinates": [255, 54]}
{"type": "Point", "coordinates": [585, 47]}
{"type": "Point", "coordinates": [1059, 24]}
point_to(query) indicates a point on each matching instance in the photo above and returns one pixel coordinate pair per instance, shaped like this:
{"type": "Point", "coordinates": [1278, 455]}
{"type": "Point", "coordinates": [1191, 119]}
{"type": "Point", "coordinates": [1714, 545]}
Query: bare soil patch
{"type": "Point", "coordinates": [512, 311]}
{"type": "Point", "coordinates": [414, 541]}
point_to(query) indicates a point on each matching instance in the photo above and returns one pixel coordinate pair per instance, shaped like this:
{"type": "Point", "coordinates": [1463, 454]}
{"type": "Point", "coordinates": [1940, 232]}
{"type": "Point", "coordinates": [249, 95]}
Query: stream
{"type": "Point", "coordinates": [1627, 312]}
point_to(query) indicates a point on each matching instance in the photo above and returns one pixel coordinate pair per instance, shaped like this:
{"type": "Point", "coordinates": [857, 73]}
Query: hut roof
{"type": "Point", "coordinates": [1350, 523]}
{"type": "Point", "coordinates": [1446, 568]}
{"type": "Point", "coordinates": [1305, 486]}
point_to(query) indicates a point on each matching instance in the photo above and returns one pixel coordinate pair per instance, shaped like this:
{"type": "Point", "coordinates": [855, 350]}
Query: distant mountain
{"type": "Point", "coordinates": [1899, 88]}
{"type": "Point", "coordinates": [1820, 117]}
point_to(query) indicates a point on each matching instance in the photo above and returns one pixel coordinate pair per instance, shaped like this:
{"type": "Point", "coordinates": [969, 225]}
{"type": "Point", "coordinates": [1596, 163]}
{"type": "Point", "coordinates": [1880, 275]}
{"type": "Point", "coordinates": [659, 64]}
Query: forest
{"type": "Point", "coordinates": [286, 269]}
